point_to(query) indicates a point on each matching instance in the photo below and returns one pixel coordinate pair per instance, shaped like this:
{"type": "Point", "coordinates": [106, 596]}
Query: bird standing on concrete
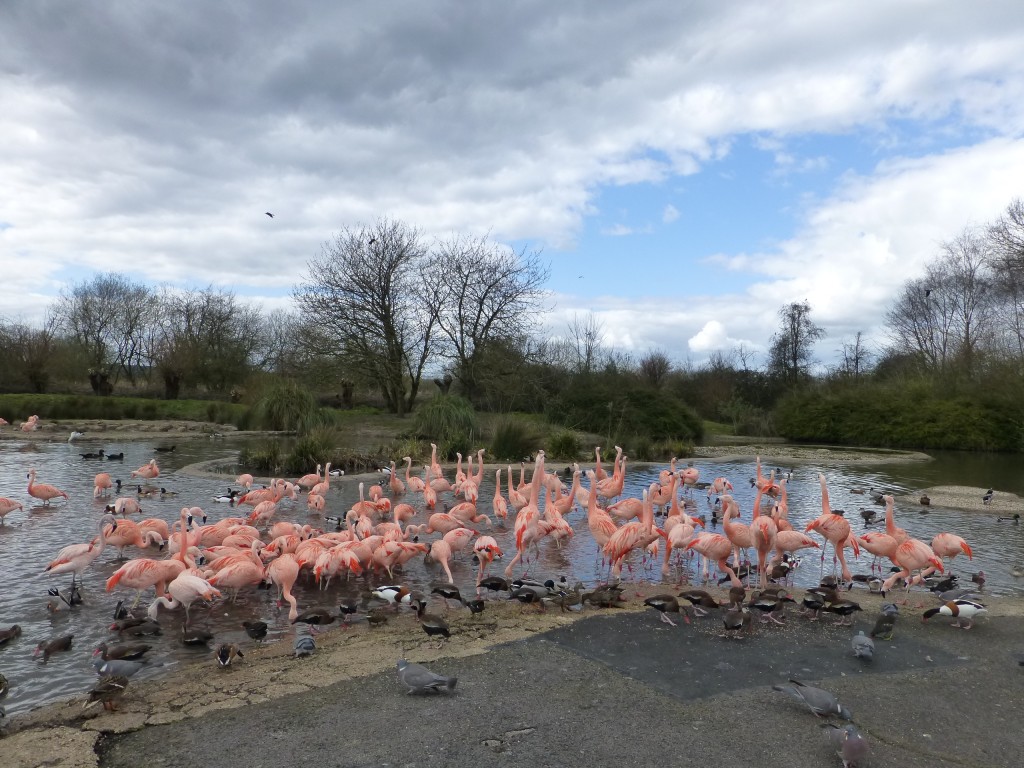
{"type": "Point", "coordinates": [108, 690]}
{"type": "Point", "coordinates": [850, 745]}
{"type": "Point", "coordinates": [304, 645]}
{"type": "Point", "coordinates": [819, 701]}
{"type": "Point", "coordinates": [863, 646]}
{"type": "Point", "coordinates": [226, 653]}
{"type": "Point", "coordinates": [419, 679]}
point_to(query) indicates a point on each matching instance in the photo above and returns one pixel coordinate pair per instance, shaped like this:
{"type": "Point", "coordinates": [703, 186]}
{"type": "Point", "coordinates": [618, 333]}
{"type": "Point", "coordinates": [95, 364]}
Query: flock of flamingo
{"type": "Point", "coordinates": [397, 521]}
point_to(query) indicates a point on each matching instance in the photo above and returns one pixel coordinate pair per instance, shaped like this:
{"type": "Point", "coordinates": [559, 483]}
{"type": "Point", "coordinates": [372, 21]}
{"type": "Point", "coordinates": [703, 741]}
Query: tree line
{"type": "Point", "coordinates": [383, 311]}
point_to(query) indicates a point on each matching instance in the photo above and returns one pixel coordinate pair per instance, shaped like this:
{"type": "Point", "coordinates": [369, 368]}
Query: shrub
{"type": "Point", "coordinates": [287, 407]}
{"type": "Point", "coordinates": [563, 444]}
{"type": "Point", "coordinates": [450, 421]}
{"type": "Point", "coordinates": [513, 439]}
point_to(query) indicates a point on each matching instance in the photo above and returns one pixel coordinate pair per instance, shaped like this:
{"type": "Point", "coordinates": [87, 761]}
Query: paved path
{"type": "Point", "coordinates": [623, 689]}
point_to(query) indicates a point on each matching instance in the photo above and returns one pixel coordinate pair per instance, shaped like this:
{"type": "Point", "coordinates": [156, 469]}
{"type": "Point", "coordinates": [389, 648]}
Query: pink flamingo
{"type": "Point", "coordinates": [890, 521]}
{"type": "Point", "coordinates": [611, 487]}
{"type": "Point", "coordinates": [283, 572]}
{"type": "Point", "coordinates": [124, 505]}
{"type": "Point", "coordinates": [75, 558]}
{"type": "Point", "coordinates": [715, 548]}
{"type": "Point", "coordinates": [185, 589]}
{"type": "Point", "coordinates": [599, 522]}
{"type": "Point", "coordinates": [633, 535]}
{"type": "Point", "coordinates": [947, 546]}
{"type": "Point", "coordinates": [738, 533]}
{"type": "Point", "coordinates": [128, 534]}
{"type": "Point", "coordinates": [515, 497]}
{"type": "Point", "coordinates": [836, 530]}
{"type": "Point", "coordinates": [527, 530]}
{"type": "Point", "coordinates": [245, 480]}
{"type": "Point", "coordinates": [441, 552]}
{"type": "Point", "coordinates": [689, 477]}
{"type": "Point", "coordinates": [308, 481]}
{"type": "Point", "coordinates": [599, 472]}
{"type": "Point", "coordinates": [412, 483]}
{"type": "Point", "coordinates": [101, 484]}
{"type": "Point", "coordinates": [148, 470]}
{"type": "Point", "coordinates": [395, 482]}
{"type": "Point", "coordinates": [486, 550]}
{"type": "Point", "coordinates": [499, 505]}
{"type": "Point", "coordinates": [7, 506]}
{"type": "Point", "coordinates": [911, 555]}
{"type": "Point", "coordinates": [42, 491]}
{"type": "Point", "coordinates": [719, 486]}
{"type": "Point", "coordinates": [765, 534]}
{"type": "Point", "coordinates": [878, 544]}
{"type": "Point", "coordinates": [791, 541]}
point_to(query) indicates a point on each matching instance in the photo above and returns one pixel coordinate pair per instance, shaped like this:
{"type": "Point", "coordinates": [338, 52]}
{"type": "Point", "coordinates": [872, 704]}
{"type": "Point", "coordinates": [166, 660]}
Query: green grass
{"type": "Point", "coordinates": [17, 407]}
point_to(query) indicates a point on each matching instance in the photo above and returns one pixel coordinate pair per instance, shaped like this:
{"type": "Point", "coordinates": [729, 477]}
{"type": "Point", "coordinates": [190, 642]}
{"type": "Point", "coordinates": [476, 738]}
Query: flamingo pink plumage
{"type": "Point", "coordinates": [42, 491]}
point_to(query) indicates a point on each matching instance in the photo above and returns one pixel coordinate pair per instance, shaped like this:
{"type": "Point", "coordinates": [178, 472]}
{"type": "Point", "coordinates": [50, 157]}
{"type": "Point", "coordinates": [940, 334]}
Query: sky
{"type": "Point", "coordinates": [686, 169]}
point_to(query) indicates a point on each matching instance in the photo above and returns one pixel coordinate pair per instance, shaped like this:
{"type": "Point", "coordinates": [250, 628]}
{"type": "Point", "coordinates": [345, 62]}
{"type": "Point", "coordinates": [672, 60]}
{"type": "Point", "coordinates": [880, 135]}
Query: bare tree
{"type": "Point", "coordinates": [359, 299]}
{"type": "Point", "coordinates": [26, 353]}
{"type": "Point", "coordinates": [586, 338]}
{"type": "Point", "coordinates": [944, 317]}
{"type": "Point", "coordinates": [654, 367]}
{"type": "Point", "coordinates": [108, 317]}
{"type": "Point", "coordinates": [204, 337]}
{"type": "Point", "coordinates": [790, 352]}
{"type": "Point", "coordinates": [856, 357]}
{"type": "Point", "coordinates": [480, 293]}
{"type": "Point", "coordinates": [1006, 260]}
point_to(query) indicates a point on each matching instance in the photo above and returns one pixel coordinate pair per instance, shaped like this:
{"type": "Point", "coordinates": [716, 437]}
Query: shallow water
{"type": "Point", "coordinates": [31, 538]}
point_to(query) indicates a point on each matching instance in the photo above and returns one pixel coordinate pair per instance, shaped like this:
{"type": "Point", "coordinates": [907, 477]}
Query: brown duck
{"type": "Point", "coordinates": [701, 600]}
{"type": "Point", "coordinates": [127, 651]}
{"type": "Point", "coordinates": [12, 632]}
{"type": "Point", "coordinates": [433, 625]}
{"type": "Point", "coordinates": [47, 647]}
{"type": "Point", "coordinates": [108, 690]}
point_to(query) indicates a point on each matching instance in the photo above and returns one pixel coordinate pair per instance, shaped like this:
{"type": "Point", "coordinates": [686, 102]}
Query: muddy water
{"type": "Point", "coordinates": [31, 538]}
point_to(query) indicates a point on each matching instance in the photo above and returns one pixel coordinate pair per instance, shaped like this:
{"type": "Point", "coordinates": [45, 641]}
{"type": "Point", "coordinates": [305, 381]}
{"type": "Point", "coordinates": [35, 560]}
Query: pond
{"type": "Point", "coordinates": [30, 539]}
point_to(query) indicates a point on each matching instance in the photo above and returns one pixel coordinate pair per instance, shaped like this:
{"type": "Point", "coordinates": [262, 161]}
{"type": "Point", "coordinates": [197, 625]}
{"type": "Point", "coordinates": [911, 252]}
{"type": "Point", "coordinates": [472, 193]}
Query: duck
{"type": "Point", "coordinates": [666, 604]}
{"type": "Point", "coordinates": [925, 499]}
{"type": "Point", "coordinates": [567, 600]}
{"type": "Point", "coordinates": [735, 620]}
{"type": "Point", "coordinates": [341, 472]}
{"type": "Point", "coordinates": [196, 637]}
{"type": "Point", "coordinates": [979, 578]}
{"type": "Point", "coordinates": [813, 603]}
{"type": "Point", "coordinates": [448, 592]}
{"type": "Point", "coordinates": [1017, 571]}
{"type": "Point", "coordinates": [494, 584]}
{"type": "Point", "coordinates": [885, 623]}
{"type": "Point", "coordinates": [1014, 518]}
{"type": "Point", "coordinates": [229, 498]}
{"type": "Point", "coordinates": [987, 498]}
{"type": "Point", "coordinates": [870, 516]}
{"type": "Point", "coordinates": [12, 632]}
{"type": "Point", "coordinates": [130, 651]}
{"type": "Point", "coordinates": [315, 617]}
{"type": "Point", "coordinates": [962, 609]}
{"type": "Point", "coordinates": [376, 617]}
{"type": "Point", "coordinates": [165, 448]}
{"type": "Point", "coordinates": [56, 645]}
{"type": "Point", "coordinates": [4, 686]}
{"type": "Point", "coordinates": [770, 605]}
{"type": "Point", "coordinates": [145, 493]}
{"type": "Point", "coordinates": [396, 595]}
{"type": "Point", "coordinates": [115, 456]}
{"type": "Point", "coordinates": [843, 608]}
{"type": "Point", "coordinates": [607, 596]}
{"type": "Point", "coordinates": [434, 626]}
{"type": "Point", "coordinates": [226, 653]}
{"type": "Point", "coordinates": [702, 601]}
{"type": "Point", "coordinates": [476, 606]}
{"type": "Point", "coordinates": [109, 691]}
{"type": "Point", "coordinates": [257, 630]}
{"type": "Point", "coordinates": [165, 492]}
{"type": "Point", "coordinates": [98, 455]}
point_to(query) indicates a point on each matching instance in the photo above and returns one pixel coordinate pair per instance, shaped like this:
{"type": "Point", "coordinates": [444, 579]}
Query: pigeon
{"type": "Point", "coordinates": [863, 646]}
{"type": "Point", "coordinates": [122, 667]}
{"type": "Point", "coordinates": [419, 679]}
{"type": "Point", "coordinates": [304, 646]}
{"type": "Point", "coordinates": [849, 744]}
{"type": "Point", "coordinates": [819, 701]}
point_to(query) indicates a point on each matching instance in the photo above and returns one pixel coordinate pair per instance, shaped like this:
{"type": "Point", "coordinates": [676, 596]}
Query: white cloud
{"type": "Point", "coordinates": [670, 214]}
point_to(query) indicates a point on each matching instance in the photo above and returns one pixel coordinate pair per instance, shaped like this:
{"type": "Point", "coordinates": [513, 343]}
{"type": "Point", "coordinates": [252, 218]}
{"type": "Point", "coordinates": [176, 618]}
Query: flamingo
{"type": "Point", "coordinates": [245, 480]}
{"type": "Point", "coordinates": [238, 574]}
{"type": "Point", "coordinates": [101, 484]}
{"type": "Point", "coordinates": [765, 534]}
{"type": "Point", "coordinates": [486, 550]}
{"type": "Point", "coordinates": [911, 555]}
{"type": "Point", "coordinates": [890, 522]}
{"type": "Point", "coordinates": [147, 471]}
{"type": "Point", "coordinates": [526, 526]}
{"type": "Point", "coordinates": [715, 547]}
{"type": "Point", "coordinates": [308, 481]}
{"type": "Point", "coordinates": [441, 552]}
{"type": "Point", "coordinates": [878, 544]}
{"type": "Point", "coordinates": [395, 483]}
{"type": "Point", "coordinates": [947, 546]}
{"type": "Point", "coordinates": [75, 558]}
{"type": "Point", "coordinates": [600, 522]}
{"type": "Point", "coordinates": [637, 534]}
{"type": "Point", "coordinates": [719, 486]}
{"type": "Point", "coordinates": [185, 589]}
{"type": "Point", "coordinates": [42, 491]}
{"type": "Point", "coordinates": [738, 533]}
{"type": "Point", "coordinates": [515, 497]}
{"type": "Point", "coordinates": [7, 506]}
{"type": "Point", "coordinates": [836, 529]}
{"type": "Point", "coordinates": [412, 483]}
{"type": "Point", "coordinates": [499, 505]}
{"type": "Point", "coordinates": [127, 533]}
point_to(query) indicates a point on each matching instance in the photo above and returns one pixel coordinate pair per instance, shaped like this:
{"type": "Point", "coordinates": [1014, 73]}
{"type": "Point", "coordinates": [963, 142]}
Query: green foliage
{"type": "Point", "coordinates": [911, 415]}
{"type": "Point", "coordinates": [563, 444]}
{"type": "Point", "coordinates": [643, 448]}
{"type": "Point", "coordinates": [263, 456]}
{"type": "Point", "coordinates": [514, 438]}
{"type": "Point", "coordinates": [310, 449]}
{"type": "Point", "coordinates": [287, 407]}
{"type": "Point", "coordinates": [450, 422]}
{"type": "Point", "coordinates": [615, 406]}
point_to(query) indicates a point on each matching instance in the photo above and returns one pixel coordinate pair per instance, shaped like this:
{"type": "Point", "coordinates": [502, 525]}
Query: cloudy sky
{"type": "Point", "coordinates": [686, 168]}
